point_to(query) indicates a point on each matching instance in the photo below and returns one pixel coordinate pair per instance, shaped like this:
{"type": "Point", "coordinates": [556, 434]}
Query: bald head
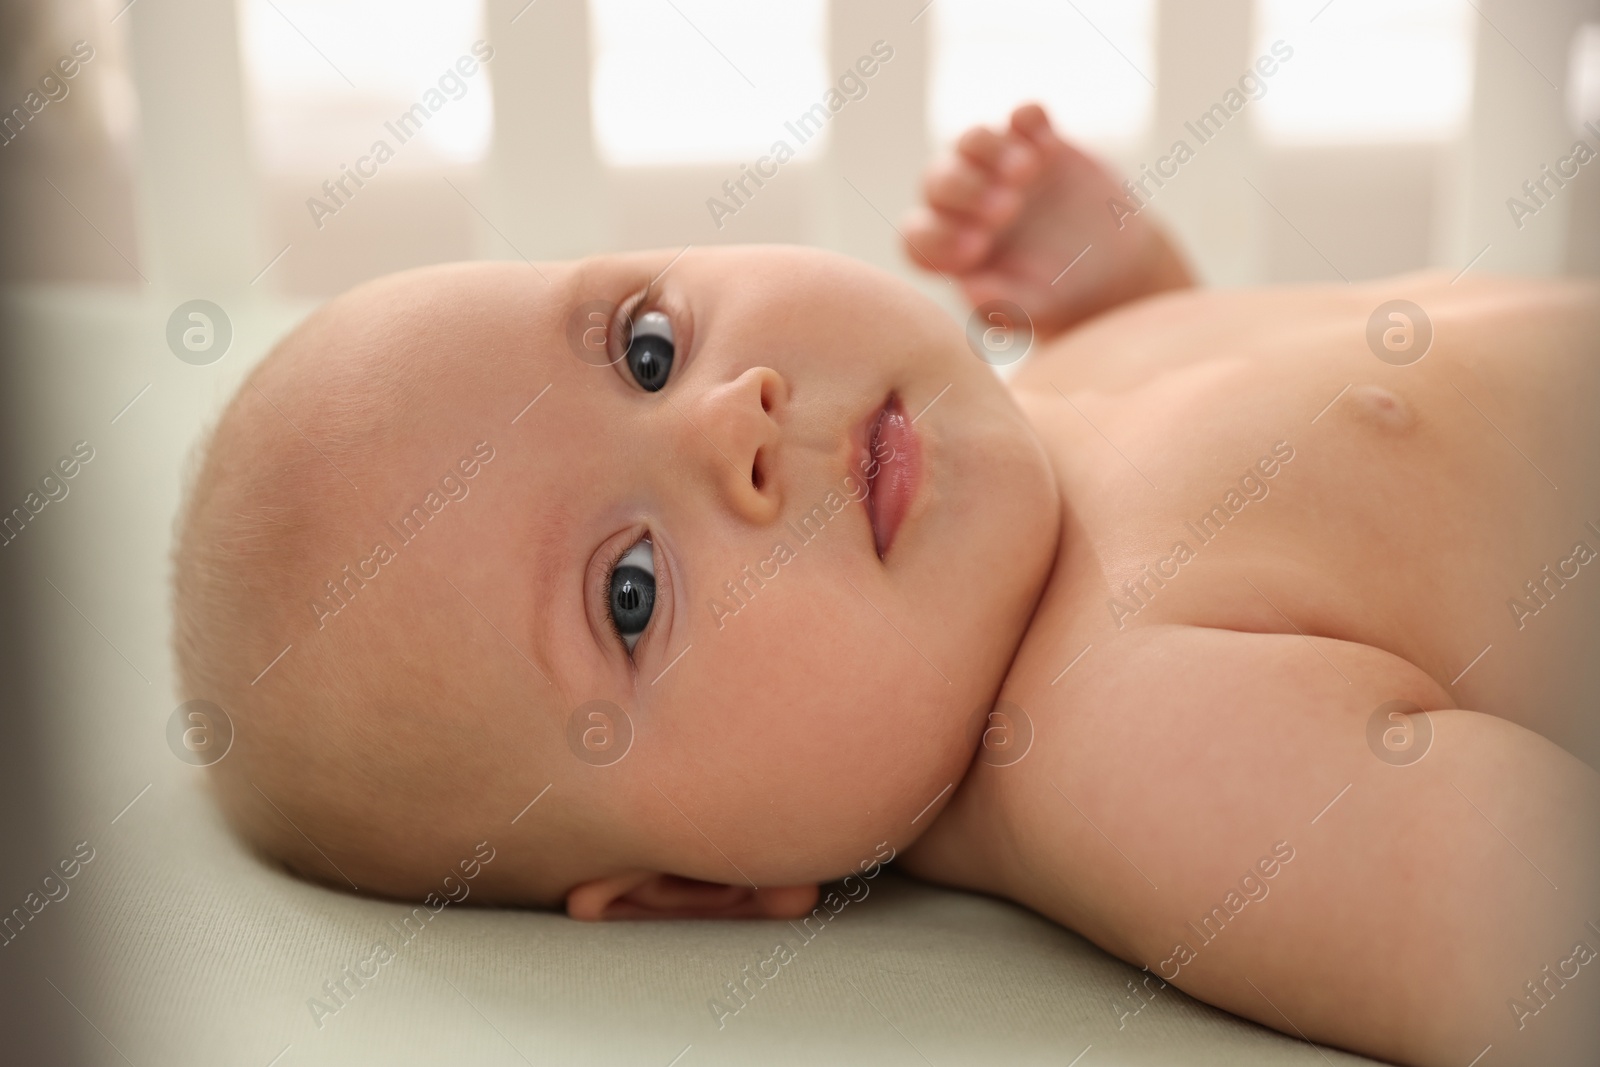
{"type": "Point", "coordinates": [322, 519]}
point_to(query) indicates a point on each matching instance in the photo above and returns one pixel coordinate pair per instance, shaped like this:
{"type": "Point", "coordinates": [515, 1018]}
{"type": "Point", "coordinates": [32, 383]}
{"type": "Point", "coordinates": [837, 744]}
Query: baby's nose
{"type": "Point", "coordinates": [737, 433]}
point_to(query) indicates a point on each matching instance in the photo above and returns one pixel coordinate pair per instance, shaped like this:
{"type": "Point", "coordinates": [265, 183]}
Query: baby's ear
{"type": "Point", "coordinates": [651, 895]}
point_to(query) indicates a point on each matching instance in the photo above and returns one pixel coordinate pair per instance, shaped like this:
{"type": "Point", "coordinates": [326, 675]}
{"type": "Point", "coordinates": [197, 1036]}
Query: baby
{"type": "Point", "coordinates": [1248, 633]}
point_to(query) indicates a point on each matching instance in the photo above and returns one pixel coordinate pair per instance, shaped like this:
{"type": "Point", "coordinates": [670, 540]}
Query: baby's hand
{"type": "Point", "coordinates": [1022, 215]}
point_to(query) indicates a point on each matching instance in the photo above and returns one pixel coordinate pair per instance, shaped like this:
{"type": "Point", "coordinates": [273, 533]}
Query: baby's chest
{"type": "Point", "coordinates": [1321, 495]}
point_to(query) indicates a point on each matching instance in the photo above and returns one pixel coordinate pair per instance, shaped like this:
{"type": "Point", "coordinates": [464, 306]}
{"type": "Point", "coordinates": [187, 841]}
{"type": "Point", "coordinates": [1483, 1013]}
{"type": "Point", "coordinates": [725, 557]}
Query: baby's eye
{"type": "Point", "coordinates": [650, 351]}
{"type": "Point", "coordinates": [632, 591]}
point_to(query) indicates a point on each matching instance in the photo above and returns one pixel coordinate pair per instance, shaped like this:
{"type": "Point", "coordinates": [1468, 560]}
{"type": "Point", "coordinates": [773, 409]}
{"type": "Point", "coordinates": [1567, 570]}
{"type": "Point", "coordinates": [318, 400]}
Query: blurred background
{"type": "Point", "coordinates": [188, 147]}
{"type": "Point", "coordinates": [226, 151]}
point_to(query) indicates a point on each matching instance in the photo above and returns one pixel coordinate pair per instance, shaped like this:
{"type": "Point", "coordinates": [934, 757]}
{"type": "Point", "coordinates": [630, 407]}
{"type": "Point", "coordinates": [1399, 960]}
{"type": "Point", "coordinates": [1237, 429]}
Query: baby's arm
{"type": "Point", "coordinates": [1400, 911]}
{"type": "Point", "coordinates": [1023, 216]}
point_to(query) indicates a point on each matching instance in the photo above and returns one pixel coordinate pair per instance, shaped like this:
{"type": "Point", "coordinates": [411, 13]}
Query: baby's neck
{"type": "Point", "coordinates": [971, 844]}
{"type": "Point", "coordinates": [968, 846]}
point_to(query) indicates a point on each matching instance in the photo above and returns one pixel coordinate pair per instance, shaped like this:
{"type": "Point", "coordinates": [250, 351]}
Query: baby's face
{"type": "Point", "coordinates": [811, 659]}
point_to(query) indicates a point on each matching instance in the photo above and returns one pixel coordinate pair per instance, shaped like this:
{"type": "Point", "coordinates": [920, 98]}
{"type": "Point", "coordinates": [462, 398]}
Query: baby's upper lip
{"type": "Point", "coordinates": [861, 436]}
{"type": "Point", "coordinates": [884, 515]}
{"type": "Point", "coordinates": [861, 457]}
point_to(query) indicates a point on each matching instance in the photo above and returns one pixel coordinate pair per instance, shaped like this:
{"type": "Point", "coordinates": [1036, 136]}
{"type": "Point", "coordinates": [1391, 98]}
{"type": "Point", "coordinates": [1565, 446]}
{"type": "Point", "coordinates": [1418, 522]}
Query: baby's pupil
{"type": "Point", "coordinates": [633, 598]}
{"type": "Point", "coordinates": [650, 359]}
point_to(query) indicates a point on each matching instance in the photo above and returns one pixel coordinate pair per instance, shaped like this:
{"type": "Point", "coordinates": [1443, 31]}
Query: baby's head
{"type": "Point", "coordinates": [458, 495]}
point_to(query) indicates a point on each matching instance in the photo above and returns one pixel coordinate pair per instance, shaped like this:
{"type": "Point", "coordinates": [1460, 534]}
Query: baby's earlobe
{"type": "Point", "coordinates": [590, 901]}
{"type": "Point", "coordinates": [786, 901]}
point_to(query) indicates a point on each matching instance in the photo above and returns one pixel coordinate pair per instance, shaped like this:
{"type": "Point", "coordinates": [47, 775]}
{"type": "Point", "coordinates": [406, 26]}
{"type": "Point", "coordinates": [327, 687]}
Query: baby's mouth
{"type": "Point", "coordinates": [892, 466]}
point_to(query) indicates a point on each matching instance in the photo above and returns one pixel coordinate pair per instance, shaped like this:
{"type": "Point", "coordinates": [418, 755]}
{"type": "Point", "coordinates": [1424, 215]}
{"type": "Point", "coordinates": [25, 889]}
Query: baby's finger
{"type": "Point", "coordinates": [943, 242]}
{"type": "Point", "coordinates": [1010, 156]}
{"type": "Point", "coordinates": [1032, 122]}
{"type": "Point", "coordinates": [958, 186]}
{"type": "Point", "coordinates": [982, 146]}
{"type": "Point", "coordinates": [954, 184]}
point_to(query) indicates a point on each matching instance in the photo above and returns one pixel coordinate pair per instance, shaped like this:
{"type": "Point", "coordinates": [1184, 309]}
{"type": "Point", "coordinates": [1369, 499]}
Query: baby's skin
{"type": "Point", "coordinates": [1268, 534]}
{"type": "Point", "coordinates": [471, 559]}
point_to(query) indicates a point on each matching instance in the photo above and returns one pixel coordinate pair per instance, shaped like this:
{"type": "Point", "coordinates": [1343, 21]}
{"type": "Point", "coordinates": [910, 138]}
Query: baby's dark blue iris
{"type": "Point", "coordinates": [650, 360]}
{"type": "Point", "coordinates": [633, 598]}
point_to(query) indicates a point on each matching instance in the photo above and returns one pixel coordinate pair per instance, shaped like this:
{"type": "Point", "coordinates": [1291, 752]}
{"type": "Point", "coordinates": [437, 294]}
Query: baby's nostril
{"type": "Point", "coordinates": [756, 477]}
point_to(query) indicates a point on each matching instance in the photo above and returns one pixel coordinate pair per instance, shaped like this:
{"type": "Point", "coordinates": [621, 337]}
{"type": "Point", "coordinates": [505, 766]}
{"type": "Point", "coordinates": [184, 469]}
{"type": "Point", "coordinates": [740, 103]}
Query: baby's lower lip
{"type": "Point", "coordinates": [893, 444]}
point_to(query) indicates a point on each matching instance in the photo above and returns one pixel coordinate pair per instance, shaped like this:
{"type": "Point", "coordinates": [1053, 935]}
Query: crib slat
{"type": "Point", "coordinates": [196, 195]}
{"type": "Point", "coordinates": [545, 187]}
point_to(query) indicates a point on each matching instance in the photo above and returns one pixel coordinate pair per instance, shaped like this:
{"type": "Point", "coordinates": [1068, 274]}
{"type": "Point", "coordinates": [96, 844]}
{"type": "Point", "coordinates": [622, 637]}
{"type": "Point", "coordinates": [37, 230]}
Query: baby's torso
{"type": "Point", "coordinates": [1247, 461]}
